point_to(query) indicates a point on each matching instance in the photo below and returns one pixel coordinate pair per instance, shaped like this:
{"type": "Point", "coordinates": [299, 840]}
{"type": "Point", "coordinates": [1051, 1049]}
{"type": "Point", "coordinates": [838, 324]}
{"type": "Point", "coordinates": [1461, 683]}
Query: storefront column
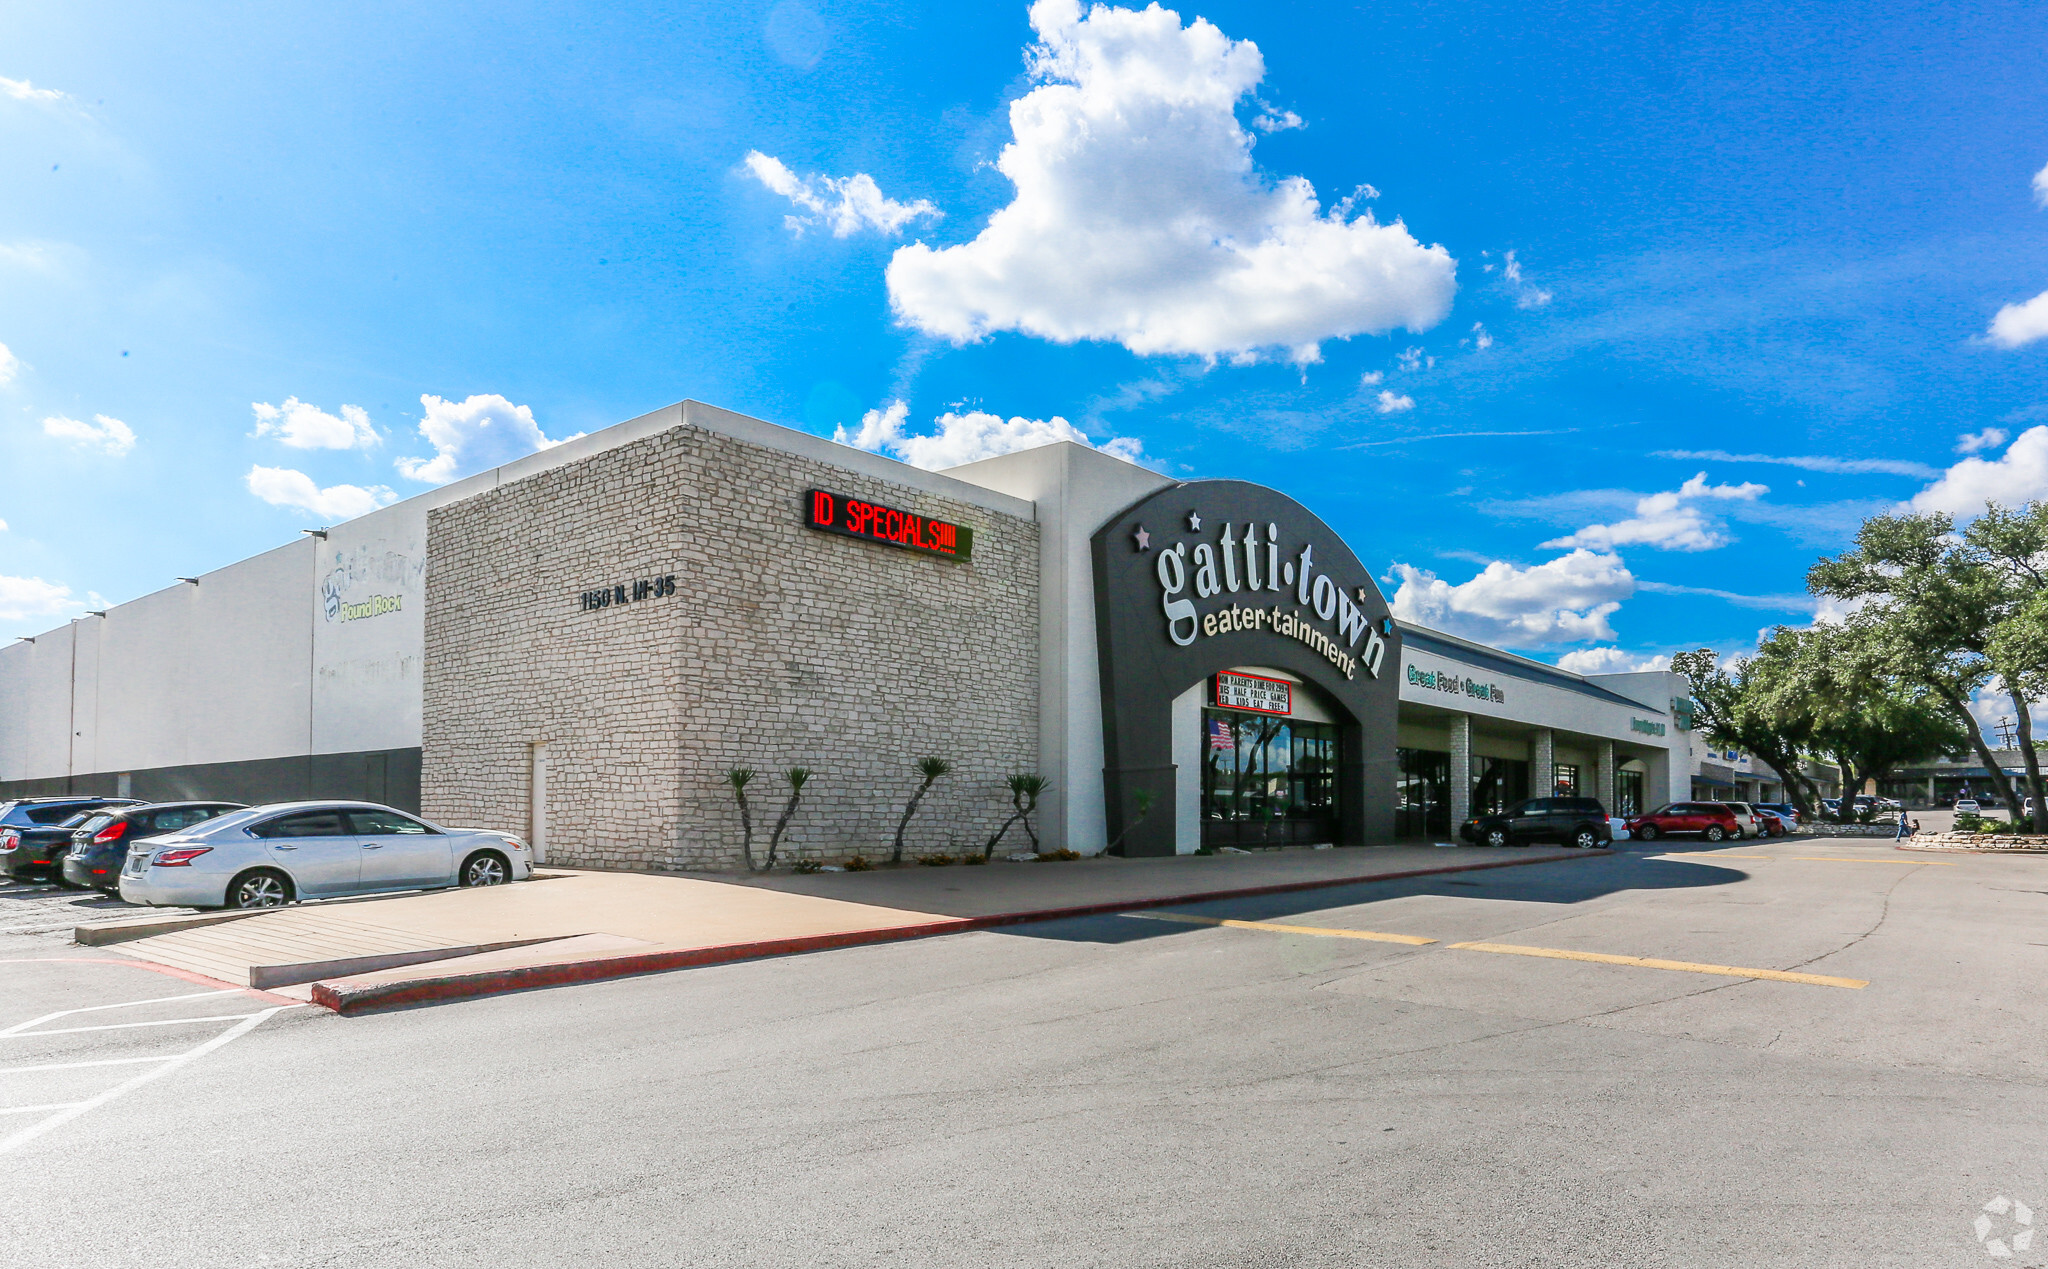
{"type": "Point", "coordinates": [1461, 770]}
{"type": "Point", "coordinates": [1603, 776]}
{"type": "Point", "coordinates": [1542, 763]}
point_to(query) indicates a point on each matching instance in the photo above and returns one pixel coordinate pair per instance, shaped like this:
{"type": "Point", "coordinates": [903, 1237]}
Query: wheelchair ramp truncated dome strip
{"type": "Point", "coordinates": [280, 949]}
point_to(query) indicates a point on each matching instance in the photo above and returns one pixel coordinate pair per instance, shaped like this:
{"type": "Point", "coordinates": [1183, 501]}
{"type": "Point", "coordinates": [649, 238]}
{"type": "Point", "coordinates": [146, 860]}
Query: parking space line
{"type": "Point", "coordinates": [73, 1066]}
{"type": "Point", "coordinates": [1368, 935]}
{"type": "Point", "coordinates": [1709, 854]}
{"type": "Point", "coordinates": [24, 1110]}
{"type": "Point", "coordinates": [1843, 859]}
{"type": "Point", "coordinates": [126, 1004]}
{"type": "Point", "coordinates": [248, 1023]}
{"type": "Point", "coordinates": [1645, 962]}
{"type": "Point", "coordinates": [123, 1026]}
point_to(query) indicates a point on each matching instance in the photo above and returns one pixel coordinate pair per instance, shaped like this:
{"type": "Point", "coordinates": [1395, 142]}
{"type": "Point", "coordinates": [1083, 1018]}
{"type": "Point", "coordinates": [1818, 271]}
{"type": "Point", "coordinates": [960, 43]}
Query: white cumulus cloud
{"type": "Point", "coordinates": [847, 204]}
{"type": "Point", "coordinates": [1611, 661]}
{"type": "Point", "coordinates": [2013, 479]}
{"type": "Point", "coordinates": [1989, 438]}
{"type": "Point", "coordinates": [2041, 187]}
{"type": "Point", "coordinates": [23, 598]}
{"type": "Point", "coordinates": [110, 436]}
{"type": "Point", "coordinates": [1566, 600]}
{"type": "Point", "coordinates": [284, 487]}
{"type": "Point", "coordinates": [1139, 217]}
{"type": "Point", "coordinates": [971, 437]}
{"type": "Point", "coordinates": [304, 426]}
{"type": "Point", "coordinates": [1390, 402]}
{"type": "Point", "coordinates": [22, 90]}
{"type": "Point", "coordinates": [473, 435]}
{"type": "Point", "coordinates": [1527, 294]}
{"type": "Point", "coordinates": [1669, 521]}
{"type": "Point", "coordinates": [2017, 324]}
{"type": "Point", "coordinates": [10, 365]}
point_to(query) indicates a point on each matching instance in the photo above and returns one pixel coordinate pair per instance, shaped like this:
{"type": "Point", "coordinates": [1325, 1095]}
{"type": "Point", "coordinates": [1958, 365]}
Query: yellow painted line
{"type": "Point", "coordinates": [1644, 962]}
{"type": "Point", "coordinates": [1369, 935]}
{"type": "Point", "coordinates": [1837, 859]}
{"type": "Point", "coordinates": [1709, 854]}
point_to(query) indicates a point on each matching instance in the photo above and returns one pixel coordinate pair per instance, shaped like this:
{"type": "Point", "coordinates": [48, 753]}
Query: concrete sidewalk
{"type": "Point", "coordinates": [576, 926]}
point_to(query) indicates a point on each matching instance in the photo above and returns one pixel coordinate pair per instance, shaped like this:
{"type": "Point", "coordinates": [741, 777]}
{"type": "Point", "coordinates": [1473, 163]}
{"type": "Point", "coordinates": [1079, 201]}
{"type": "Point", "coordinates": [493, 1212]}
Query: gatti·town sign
{"type": "Point", "coordinates": [1247, 559]}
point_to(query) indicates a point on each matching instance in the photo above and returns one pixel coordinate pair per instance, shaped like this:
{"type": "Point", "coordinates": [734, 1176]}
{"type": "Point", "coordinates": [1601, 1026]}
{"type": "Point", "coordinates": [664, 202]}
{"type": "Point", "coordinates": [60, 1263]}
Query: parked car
{"type": "Point", "coordinates": [1968, 806]}
{"type": "Point", "coordinates": [99, 846]}
{"type": "Point", "coordinates": [35, 832]}
{"type": "Point", "coordinates": [1580, 822]}
{"type": "Point", "coordinates": [1775, 823]}
{"type": "Point", "coordinates": [1711, 820]}
{"type": "Point", "coordinates": [1747, 821]}
{"type": "Point", "coordinates": [271, 855]}
{"type": "Point", "coordinates": [1785, 811]}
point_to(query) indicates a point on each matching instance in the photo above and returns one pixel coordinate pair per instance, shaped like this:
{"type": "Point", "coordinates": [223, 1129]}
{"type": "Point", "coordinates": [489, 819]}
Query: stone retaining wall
{"type": "Point", "coordinates": [1850, 830]}
{"type": "Point", "coordinates": [1978, 841]}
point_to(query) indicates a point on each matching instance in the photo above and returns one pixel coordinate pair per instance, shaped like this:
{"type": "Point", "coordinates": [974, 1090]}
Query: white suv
{"type": "Point", "coordinates": [1747, 822]}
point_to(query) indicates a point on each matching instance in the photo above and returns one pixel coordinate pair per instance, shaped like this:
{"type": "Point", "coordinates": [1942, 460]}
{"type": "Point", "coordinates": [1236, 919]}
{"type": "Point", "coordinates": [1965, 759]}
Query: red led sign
{"type": "Point", "coordinates": [851, 517]}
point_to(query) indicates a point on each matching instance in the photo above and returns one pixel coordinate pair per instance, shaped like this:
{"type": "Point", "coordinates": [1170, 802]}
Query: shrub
{"type": "Point", "coordinates": [940, 860]}
{"type": "Point", "coordinates": [971, 859]}
{"type": "Point", "coordinates": [859, 863]}
{"type": "Point", "coordinates": [1058, 855]}
{"type": "Point", "coordinates": [805, 866]}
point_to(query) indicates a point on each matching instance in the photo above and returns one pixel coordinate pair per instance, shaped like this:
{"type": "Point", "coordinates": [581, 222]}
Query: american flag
{"type": "Point", "coordinates": [1220, 736]}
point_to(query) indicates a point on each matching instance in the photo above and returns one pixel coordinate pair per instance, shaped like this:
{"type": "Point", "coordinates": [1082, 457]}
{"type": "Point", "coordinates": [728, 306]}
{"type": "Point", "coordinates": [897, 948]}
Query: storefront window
{"type": "Point", "coordinates": [1567, 780]}
{"type": "Point", "coordinates": [1422, 802]}
{"type": "Point", "coordinates": [1628, 793]}
{"type": "Point", "coordinates": [1267, 781]}
{"type": "Point", "coordinates": [1497, 784]}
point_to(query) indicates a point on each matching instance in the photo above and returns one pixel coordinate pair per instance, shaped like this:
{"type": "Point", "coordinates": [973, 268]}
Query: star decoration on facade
{"type": "Point", "coordinates": [1194, 520]}
{"type": "Point", "coordinates": [1144, 539]}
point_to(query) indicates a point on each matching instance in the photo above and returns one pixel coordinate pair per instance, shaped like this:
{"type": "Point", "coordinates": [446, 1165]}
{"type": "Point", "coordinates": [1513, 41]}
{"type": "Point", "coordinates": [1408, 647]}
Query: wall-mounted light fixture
{"type": "Point", "coordinates": [95, 612]}
{"type": "Point", "coordinates": [26, 638]}
{"type": "Point", "coordinates": [193, 580]}
{"type": "Point", "coordinates": [318, 533]}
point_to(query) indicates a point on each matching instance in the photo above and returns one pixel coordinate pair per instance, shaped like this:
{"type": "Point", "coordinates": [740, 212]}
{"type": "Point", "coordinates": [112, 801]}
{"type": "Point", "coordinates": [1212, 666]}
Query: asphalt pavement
{"type": "Point", "coordinates": [1320, 1078]}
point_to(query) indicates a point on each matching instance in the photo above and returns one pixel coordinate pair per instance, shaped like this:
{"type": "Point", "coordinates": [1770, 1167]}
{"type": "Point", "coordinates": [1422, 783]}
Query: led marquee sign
{"type": "Point", "coordinates": [1255, 692]}
{"type": "Point", "coordinates": [854, 518]}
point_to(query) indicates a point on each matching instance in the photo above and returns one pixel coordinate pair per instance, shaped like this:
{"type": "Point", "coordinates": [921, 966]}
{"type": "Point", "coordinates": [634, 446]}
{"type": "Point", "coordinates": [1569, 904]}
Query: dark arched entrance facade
{"type": "Point", "coordinates": [1206, 578]}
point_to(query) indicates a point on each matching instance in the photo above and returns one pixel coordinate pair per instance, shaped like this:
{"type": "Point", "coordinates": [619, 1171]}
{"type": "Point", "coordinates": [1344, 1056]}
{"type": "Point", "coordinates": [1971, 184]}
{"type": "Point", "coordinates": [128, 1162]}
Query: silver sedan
{"type": "Point", "coordinates": [271, 855]}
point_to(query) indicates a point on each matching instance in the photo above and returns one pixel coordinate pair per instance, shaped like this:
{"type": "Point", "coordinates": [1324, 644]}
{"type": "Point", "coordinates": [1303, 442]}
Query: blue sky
{"type": "Point", "coordinates": [264, 266]}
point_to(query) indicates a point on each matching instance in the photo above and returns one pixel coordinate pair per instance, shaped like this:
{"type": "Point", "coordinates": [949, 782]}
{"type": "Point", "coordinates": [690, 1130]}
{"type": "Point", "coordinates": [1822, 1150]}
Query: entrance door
{"type": "Point", "coordinates": [1267, 781]}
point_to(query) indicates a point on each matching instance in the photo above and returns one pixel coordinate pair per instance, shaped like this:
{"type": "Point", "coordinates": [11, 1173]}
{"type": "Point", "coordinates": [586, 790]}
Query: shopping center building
{"type": "Point", "coordinates": [582, 644]}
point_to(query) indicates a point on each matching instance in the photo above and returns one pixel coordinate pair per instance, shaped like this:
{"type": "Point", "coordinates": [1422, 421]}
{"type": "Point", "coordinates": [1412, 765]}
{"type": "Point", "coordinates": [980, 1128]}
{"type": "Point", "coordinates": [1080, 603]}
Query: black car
{"type": "Point", "coordinates": [35, 832]}
{"type": "Point", "coordinates": [1580, 822]}
{"type": "Point", "coordinates": [99, 846]}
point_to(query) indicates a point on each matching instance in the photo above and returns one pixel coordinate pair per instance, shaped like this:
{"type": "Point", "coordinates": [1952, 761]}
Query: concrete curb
{"type": "Point", "coordinates": [344, 999]}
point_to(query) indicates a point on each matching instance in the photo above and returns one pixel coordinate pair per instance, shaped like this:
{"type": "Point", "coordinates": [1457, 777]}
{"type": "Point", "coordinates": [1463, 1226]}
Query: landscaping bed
{"type": "Point", "coordinates": [1978, 841]}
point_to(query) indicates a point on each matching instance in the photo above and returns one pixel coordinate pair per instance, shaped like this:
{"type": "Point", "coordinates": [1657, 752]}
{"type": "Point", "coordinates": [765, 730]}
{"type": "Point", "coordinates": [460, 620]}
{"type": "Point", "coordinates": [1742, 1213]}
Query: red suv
{"type": "Point", "coordinates": [1711, 820]}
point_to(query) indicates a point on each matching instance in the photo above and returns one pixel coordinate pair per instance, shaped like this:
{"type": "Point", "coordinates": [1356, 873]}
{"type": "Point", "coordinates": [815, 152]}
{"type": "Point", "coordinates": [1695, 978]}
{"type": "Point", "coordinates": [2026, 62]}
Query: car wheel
{"type": "Point", "coordinates": [1587, 839]}
{"type": "Point", "coordinates": [1714, 833]}
{"type": "Point", "coordinates": [1647, 833]}
{"type": "Point", "coordinates": [486, 868]}
{"type": "Point", "coordinates": [1496, 836]}
{"type": "Point", "coordinates": [262, 888]}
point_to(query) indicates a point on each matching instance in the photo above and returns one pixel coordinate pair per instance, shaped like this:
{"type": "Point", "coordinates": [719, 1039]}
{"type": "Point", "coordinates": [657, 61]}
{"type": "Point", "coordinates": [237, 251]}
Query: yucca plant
{"type": "Point", "coordinates": [931, 769]}
{"type": "Point", "coordinates": [796, 776]}
{"type": "Point", "coordinates": [1025, 790]}
{"type": "Point", "coordinates": [739, 778]}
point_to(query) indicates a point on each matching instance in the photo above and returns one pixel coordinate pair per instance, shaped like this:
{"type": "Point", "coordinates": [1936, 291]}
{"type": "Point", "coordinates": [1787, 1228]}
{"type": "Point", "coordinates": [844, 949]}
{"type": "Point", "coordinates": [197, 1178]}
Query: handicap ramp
{"type": "Point", "coordinates": [301, 945]}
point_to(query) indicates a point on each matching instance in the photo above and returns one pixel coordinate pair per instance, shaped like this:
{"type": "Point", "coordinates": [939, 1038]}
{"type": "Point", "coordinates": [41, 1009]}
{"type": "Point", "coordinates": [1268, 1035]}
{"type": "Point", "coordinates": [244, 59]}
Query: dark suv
{"type": "Point", "coordinates": [35, 832]}
{"type": "Point", "coordinates": [1580, 822]}
{"type": "Point", "coordinates": [99, 846]}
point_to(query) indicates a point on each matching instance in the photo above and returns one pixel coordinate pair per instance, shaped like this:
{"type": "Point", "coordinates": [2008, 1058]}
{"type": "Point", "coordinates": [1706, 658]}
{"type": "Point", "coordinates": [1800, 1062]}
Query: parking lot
{"type": "Point", "coordinates": [1563, 1064]}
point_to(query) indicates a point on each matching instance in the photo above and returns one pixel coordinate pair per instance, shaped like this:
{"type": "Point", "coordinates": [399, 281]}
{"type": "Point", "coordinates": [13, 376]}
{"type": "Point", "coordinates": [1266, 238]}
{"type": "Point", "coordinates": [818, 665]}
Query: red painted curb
{"type": "Point", "coordinates": [494, 982]}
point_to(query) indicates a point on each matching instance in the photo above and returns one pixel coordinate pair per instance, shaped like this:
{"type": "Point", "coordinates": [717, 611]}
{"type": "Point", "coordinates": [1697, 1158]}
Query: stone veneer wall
{"type": "Point", "coordinates": [781, 647]}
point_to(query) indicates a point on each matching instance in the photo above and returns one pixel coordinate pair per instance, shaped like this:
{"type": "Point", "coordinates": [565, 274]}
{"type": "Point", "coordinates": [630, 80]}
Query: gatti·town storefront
{"type": "Point", "coordinates": [583, 645]}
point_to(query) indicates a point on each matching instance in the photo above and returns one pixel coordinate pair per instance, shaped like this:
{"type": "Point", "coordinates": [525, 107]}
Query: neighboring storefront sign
{"type": "Point", "coordinates": [1646, 726]}
{"type": "Point", "coordinates": [1455, 684]}
{"type": "Point", "coordinates": [853, 517]}
{"type": "Point", "coordinates": [629, 592]}
{"type": "Point", "coordinates": [1260, 695]}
